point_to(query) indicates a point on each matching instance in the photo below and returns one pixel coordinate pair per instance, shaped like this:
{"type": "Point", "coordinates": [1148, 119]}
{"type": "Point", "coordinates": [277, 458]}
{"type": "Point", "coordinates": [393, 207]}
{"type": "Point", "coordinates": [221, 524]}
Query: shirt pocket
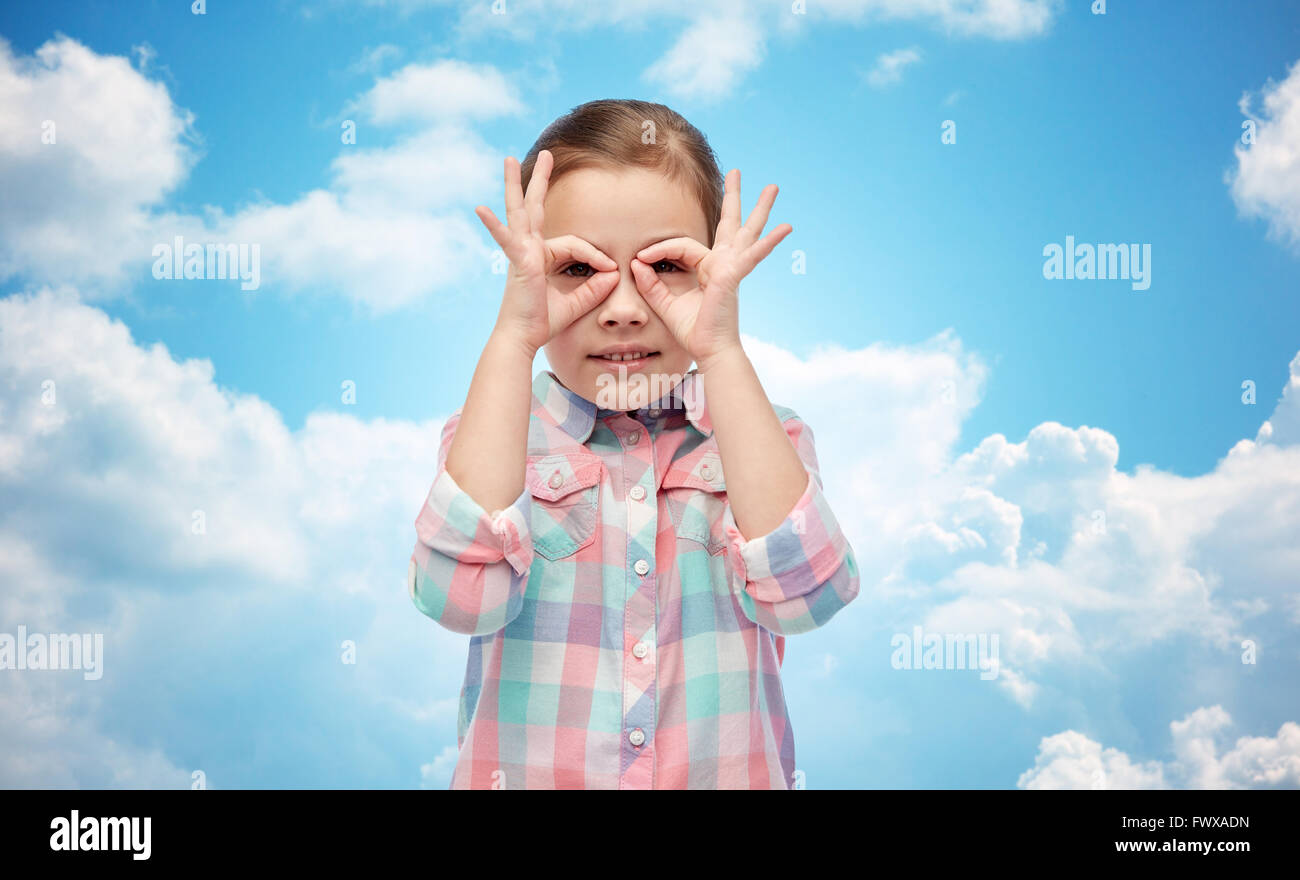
{"type": "Point", "coordinates": [565, 491]}
{"type": "Point", "coordinates": [696, 495]}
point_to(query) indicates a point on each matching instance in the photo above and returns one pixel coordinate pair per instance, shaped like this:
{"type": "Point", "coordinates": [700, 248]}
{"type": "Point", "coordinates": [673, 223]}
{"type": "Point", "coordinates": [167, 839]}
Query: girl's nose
{"type": "Point", "coordinates": [624, 305]}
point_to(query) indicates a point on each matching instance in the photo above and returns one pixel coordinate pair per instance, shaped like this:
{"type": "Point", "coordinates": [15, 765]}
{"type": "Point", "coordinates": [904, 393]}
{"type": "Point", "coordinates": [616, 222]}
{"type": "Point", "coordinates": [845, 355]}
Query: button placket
{"type": "Point", "coordinates": [639, 690]}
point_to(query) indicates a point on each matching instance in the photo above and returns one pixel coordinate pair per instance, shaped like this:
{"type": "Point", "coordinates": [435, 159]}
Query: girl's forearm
{"type": "Point", "coordinates": [763, 471]}
{"type": "Point", "coordinates": [489, 450]}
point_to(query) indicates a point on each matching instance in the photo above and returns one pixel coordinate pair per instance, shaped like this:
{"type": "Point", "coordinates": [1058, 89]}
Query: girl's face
{"type": "Point", "coordinates": [620, 213]}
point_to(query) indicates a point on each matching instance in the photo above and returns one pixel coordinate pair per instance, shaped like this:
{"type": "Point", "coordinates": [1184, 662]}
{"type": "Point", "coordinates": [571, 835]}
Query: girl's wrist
{"type": "Point", "coordinates": [503, 338]}
{"type": "Point", "coordinates": [722, 356]}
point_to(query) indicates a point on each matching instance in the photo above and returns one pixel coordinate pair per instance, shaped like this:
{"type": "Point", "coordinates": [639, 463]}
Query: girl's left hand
{"type": "Point", "coordinates": [705, 318]}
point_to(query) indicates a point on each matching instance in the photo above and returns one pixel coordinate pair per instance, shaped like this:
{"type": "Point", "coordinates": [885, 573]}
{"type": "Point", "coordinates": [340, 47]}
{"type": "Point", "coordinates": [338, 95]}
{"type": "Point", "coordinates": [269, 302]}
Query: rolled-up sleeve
{"type": "Point", "coordinates": [469, 569]}
{"type": "Point", "coordinates": [797, 576]}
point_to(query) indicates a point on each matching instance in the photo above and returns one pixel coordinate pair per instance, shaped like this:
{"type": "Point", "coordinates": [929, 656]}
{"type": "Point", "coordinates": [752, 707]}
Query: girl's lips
{"type": "Point", "coordinates": [629, 365]}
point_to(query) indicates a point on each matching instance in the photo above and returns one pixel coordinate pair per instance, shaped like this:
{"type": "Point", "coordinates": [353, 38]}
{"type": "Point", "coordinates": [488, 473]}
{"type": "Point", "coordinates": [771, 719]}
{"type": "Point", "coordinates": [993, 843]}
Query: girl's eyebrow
{"type": "Point", "coordinates": [653, 240]}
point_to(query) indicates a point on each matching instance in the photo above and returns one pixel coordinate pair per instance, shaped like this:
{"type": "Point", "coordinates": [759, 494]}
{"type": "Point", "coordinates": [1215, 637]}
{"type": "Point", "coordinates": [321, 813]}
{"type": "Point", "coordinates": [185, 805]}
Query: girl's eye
{"type": "Point", "coordinates": [587, 274]}
{"type": "Point", "coordinates": [666, 267]}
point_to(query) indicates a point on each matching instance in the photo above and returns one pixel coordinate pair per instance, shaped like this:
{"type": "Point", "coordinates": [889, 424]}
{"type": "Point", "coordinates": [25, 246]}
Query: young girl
{"type": "Point", "coordinates": [647, 550]}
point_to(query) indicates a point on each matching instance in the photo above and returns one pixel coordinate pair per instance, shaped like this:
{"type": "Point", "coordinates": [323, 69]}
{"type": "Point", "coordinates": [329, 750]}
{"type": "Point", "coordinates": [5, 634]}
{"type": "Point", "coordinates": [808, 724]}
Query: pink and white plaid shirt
{"type": "Point", "coordinates": [624, 634]}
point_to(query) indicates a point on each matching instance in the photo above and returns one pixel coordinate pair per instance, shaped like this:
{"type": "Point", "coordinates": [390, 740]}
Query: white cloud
{"type": "Point", "coordinates": [107, 448]}
{"type": "Point", "coordinates": [889, 67]}
{"type": "Point", "coordinates": [153, 441]}
{"type": "Point", "coordinates": [1283, 426]}
{"type": "Point", "coordinates": [1071, 760]}
{"type": "Point", "coordinates": [393, 225]}
{"type": "Point", "coordinates": [1266, 181]}
{"type": "Point", "coordinates": [1043, 541]}
{"type": "Point", "coordinates": [709, 58]}
{"type": "Point", "coordinates": [446, 89]}
{"type": "Point", "coordinates": [78, 209]}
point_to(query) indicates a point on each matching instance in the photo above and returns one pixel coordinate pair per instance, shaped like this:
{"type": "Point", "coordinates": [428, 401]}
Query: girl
{"type": "Point", "coordinates": [655, 531]}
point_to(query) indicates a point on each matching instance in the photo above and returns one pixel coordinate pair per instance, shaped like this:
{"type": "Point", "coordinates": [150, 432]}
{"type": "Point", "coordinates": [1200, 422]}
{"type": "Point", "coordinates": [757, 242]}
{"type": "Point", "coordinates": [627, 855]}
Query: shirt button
{"type": "Point", "coordinates": [641, 566]}
{"type": "Point", "coordinates": [707, 472]}
{"type": "Point", "coordinates": [557, 480]}
{"type": "Point", "coordinates": [639, 650]}
{"type": "Point", "coordinates": [637, 493]}
{"type": "Point", "coordinates": [636, 737]}
{"type": "Point", "coordinates": [634, 438]}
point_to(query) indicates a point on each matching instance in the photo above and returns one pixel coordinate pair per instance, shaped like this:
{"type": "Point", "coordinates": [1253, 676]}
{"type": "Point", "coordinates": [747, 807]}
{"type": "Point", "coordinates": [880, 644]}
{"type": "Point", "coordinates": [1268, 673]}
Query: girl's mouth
{"type": "Point", "coordinates": [632, 361]}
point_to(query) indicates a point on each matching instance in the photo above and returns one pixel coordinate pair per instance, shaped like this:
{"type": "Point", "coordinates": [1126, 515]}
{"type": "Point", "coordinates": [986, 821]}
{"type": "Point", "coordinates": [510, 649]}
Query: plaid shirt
{"type": "Point", "coordinates": [624, 634]}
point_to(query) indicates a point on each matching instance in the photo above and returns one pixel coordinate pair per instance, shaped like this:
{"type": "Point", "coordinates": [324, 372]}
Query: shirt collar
{"type": "Point", "coordinates": [576, 416]}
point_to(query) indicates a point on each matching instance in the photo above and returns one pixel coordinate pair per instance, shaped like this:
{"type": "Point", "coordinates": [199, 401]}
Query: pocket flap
{"type": "Point", "coordinates": [552, 477]}
{"type": "Point", "coordinates": [698, 470]}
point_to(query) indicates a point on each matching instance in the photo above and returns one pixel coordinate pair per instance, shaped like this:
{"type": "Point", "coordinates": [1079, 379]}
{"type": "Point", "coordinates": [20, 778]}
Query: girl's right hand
{"type": "Point", "coordinates": [539, 302]}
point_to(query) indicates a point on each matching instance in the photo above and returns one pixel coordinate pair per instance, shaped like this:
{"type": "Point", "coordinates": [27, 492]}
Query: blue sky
{"type": "Point", "coordinates": [925, 270]}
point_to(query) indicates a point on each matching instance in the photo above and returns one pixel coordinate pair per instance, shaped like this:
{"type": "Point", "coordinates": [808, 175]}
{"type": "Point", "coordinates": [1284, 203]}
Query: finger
{"type": "Point", "coordinates": [494, 226]}
{"type": "Point", "coordinates": [652, 288]}
{"type": "Point", "coordinates": [730, 221]}
{"type": "Point", "coordinates": [758, 252]}
{"type": "Point", "coordinates": [571, 305]}
{"type": "Point", "coordinates": [753, 227]}
{"type": "Point", "coordinates": [516, 214]}
{"type": "Point", "coordinates": [537, 186]}
{"type": "Point", "coordinates": [684, 249]}
{"type": "Point", "coordinates": [564, 247]}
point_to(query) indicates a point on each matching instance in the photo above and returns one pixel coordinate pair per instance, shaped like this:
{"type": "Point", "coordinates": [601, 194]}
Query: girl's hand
{"type": "Point", "coordinates": [705, 318]}
{"type": "Point", "coordinates": [538, 303]}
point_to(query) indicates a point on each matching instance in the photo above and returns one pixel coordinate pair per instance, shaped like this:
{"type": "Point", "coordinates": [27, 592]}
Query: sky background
{"type": "Point", "coordinates": [1069, 464]}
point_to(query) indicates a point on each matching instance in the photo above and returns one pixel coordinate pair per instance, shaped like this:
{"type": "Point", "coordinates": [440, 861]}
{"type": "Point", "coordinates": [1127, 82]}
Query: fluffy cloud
{"type": "Point", "coordinates": [1071, 760]}
{"type": "Point", "coordinates": [709, 58]}
{"type": "Point", "coordinates": [1042, 541]}
{"type": "Point", "coordinates": [1266, 181]}
{"type": "Point", "coordinates": [431, 92]}
{"type": "Point", "coordinates": [88, 146]}
{"type": "Point", "coordinates": [109, 452]}
{"type": "Point", "coordinates": [392, 226]}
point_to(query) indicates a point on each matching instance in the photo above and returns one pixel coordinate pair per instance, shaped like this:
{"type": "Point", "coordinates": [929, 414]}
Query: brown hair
{"type": "Point", "coordinates": [617, 133]}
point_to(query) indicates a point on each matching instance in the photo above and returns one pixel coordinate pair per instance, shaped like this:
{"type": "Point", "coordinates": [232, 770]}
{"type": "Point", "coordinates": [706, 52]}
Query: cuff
{"type": "Point", "coordinates": [795, 558]}
{"type": "Point", "coordinates": [454, 524]}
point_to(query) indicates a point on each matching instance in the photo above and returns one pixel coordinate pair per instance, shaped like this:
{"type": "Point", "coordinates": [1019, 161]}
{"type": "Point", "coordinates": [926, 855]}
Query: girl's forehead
{"type": "Point", "coordinates": [589, 200]}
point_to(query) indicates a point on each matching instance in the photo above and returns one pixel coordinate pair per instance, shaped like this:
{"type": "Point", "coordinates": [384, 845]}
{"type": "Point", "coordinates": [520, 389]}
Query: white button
{"type": "Point", "coordinates": [557, 480]}
{"type": "Point", "coordinates": [639, 650]}
{"type": "Point", "coordinates": [636, 737]}
{"type": "Point", "coordinates": [707, 472]}
{"type": "Point", "coordinates": [641, 566]}
{"type": "Point", "coordinates": [637, 493]}
{"type": "Point", "coordinates": [634, 438]}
